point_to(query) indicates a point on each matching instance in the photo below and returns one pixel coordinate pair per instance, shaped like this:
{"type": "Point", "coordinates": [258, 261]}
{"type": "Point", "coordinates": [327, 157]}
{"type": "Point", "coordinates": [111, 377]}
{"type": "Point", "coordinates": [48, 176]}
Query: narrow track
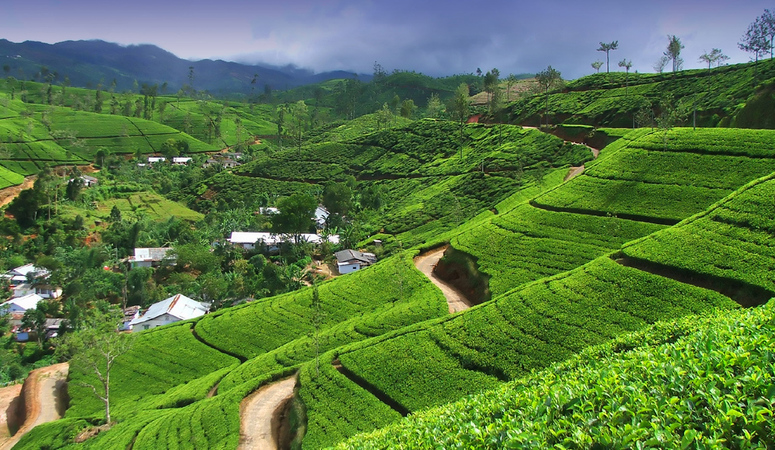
{"type": "Point", "coordinates": [44, 391]}
{"type": "Point", "coordinates": [260, 415]}
{"type": "Point", "coordinates": [425, 263]}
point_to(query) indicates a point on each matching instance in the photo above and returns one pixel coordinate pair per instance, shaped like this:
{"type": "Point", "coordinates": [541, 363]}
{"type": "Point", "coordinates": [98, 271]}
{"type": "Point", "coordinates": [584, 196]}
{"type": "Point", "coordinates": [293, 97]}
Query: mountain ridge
{"type": "Point", "coordinates": [88, 63]}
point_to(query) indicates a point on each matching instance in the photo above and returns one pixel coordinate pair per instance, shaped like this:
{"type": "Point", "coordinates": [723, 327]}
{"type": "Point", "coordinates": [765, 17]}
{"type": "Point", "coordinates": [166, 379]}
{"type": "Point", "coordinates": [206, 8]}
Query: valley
{"type": "Point", "coordinates": [593, 283]}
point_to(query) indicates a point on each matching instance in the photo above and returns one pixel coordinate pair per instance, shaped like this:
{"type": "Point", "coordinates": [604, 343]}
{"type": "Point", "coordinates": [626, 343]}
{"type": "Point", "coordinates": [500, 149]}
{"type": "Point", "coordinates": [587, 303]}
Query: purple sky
{"type": "Point", "coordinates": [433, 37]}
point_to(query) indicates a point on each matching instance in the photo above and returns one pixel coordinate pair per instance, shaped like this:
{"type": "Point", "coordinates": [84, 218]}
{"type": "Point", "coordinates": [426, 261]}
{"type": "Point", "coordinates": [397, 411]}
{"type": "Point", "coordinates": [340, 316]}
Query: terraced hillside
{"type": "Point", "coordinates": [614, 99]}
{"type": "Point", "coordinates": [549, 320]}
{"type": "Point", "coordinates": [725, 248]}
{"type": "Point", "coordinates": [430, 184]}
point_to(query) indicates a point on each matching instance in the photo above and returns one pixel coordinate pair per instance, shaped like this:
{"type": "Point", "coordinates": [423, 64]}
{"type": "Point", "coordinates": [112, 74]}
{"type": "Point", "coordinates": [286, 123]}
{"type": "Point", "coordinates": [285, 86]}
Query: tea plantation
{"type": "Point", "coordinates": [612, 309]}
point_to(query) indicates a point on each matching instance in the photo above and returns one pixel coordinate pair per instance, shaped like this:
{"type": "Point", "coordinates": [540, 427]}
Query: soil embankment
{"type": "Point", "coordinates": [43, 398]}
{"type": "Point", "coordinates": [426, 263]}
{"type": "Point", "coordinates": [261, 415]}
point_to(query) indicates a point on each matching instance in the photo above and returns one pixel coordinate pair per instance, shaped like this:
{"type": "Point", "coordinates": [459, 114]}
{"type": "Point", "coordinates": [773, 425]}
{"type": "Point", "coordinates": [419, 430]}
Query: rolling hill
{"type": "Point", "coordinates": [596, 295]}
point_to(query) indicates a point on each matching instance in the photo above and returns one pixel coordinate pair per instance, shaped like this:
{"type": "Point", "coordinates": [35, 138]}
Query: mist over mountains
{"type": "Point", "coordinates": [93, 62]}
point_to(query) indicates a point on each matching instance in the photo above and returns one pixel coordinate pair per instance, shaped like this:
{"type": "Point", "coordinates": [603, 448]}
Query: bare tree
{"type": "Point", "coordinates": [661, 63]}
{"type": "Point", "coordinates": [714, 56]}
{"type": "Point", "coordinates": [597, 65]}
{"type": "Point", "coordinates": [546, 80]}
{"type": "Point", "coordinates": [93, 350]}
{"type": "Point", "coordinates": [755, 40]}
{"type": "Point", "coordinates": [627, 66]}
{"type": "Point", "coordinates": [607, 49]}
{"type": "Point", "coordinates": [768, 23]}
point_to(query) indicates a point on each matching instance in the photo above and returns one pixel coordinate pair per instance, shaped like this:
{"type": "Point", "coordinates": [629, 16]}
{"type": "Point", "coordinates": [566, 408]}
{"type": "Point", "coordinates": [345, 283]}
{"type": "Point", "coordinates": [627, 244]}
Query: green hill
{"type": "Point", "coordinates": [662, 225]}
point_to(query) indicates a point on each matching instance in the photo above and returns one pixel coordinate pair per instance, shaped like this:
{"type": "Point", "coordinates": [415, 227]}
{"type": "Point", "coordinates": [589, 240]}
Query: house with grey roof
{"type": "Point", "coordinates": [348, 261]}
{"type": "Point", "coordinates": [174, 309]}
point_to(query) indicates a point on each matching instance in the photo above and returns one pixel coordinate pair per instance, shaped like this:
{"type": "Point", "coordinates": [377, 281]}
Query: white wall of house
{"type": "Point", "coordinates": [348, 268]}
{"type": "Point", "coordinates": [164, 319]}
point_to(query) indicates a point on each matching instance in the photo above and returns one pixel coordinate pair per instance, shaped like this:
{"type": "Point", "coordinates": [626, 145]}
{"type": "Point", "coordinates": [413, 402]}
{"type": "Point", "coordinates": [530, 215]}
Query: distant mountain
{"type": "Point", "coordinates": [89, 63]}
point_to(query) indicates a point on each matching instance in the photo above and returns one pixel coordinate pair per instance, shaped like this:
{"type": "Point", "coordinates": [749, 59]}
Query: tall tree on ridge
{"type": "Point", "coordinates": [755, 40]}
{"type": "Point", "coordinates": [673, 51]}
{"type": "Point", "coordinates": [607, 49]}
{"type": "Point", "coordinates": [597, 65]}
{"type": "Point", "coordinates": [459, 107]}
{"type": "Point", "coordinates": [546, 80]}
{"type": "Point", "coordinates": [627, 66]}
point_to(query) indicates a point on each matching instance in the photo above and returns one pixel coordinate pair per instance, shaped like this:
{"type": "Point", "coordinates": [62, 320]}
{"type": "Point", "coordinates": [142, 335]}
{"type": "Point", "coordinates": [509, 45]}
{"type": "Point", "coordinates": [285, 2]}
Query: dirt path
{"type": "Point", "coordinates": [8, 194]}
{"type": "Point", "coordinates": [45, 389]}
{"type": "Point", "coordinates": [425, 263]}
{"type": "Point", "coordinates": [8, 401]}
{"type": "Point", "coordinates": [574, 172]}
{"type": "Point", "coordinates": [259, 415]}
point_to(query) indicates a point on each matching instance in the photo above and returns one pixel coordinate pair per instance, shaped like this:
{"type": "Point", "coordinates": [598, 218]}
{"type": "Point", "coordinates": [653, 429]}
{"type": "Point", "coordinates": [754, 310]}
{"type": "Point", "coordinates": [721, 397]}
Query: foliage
{"type": "Point", "coordinates": [656, 395]}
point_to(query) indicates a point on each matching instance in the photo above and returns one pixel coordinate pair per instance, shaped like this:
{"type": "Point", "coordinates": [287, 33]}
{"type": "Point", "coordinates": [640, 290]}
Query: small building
{"type": "Point", "coordinates": [250, 240]}
{"type": "Point", "coordinates": [29, 279]}
{"type": "Point", "coordinates": [150, 257]}
{"type": "Point", "coordinates": [348, 261]}
{"type": "Point", "coordinates": [181, 160]}
{"type": "Point", "coordinates": [174, 309]}
{"type": "Point", "coordinates": [156, 159]}
{"type": "Point", "coordinates": [321, 217]}
{"type": "Point", "coordinates": [130, 313]}
{"type": "Point", "coordinates": [20, 304]}
{"type": "Point", "coordinates": [89, 181]}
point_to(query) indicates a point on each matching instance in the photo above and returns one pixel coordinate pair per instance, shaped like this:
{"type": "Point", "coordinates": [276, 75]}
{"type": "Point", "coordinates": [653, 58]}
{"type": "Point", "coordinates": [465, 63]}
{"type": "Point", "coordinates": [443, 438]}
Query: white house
{"type": "Point", "coordinates": [149, 257]}
{"type": "Point", "coordinates": [348, 261]}
{"type": "Point", "coordinates": [181, 160]}
{"type": "Point", "coordinates": [156, 159]}
{"type": "Point", "coordinates": [248, 240]}
{"type": "Point", "coordinates": [20, 281]}
{"type": "Point", "coordinates": [20, 304]}
{"type": "Point", "coordinates": [321, 216]}
{"type": "Point", "coordinates": [174, 309]}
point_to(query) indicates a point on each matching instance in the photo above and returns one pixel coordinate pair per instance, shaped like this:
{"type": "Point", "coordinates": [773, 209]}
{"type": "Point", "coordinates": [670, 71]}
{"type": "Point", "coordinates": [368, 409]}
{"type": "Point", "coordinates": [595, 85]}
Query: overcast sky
{"type": "Point", "coordinates": [433, 37]}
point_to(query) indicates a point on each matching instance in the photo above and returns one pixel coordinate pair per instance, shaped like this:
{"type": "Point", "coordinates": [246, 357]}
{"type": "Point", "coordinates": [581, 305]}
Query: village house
{"type": "Point", "coordinates": [156, 159]}
{"type": "Point", "coordinates": [20, 304]}
{"type": "Point", "coordinates": [130, 313]}
{"type": "Point", "coordinates": [251, 240]}
{"type": "Point", "coordinates": [174, 309]}
{"type": "Point", "coordinates": [348, 261]}
{"type": "Point", "coordinates": [28, 279]}
{"type": "Point", "coordinates": [181, 160]}
{"type": "Point", "coordinates": [150, 257]}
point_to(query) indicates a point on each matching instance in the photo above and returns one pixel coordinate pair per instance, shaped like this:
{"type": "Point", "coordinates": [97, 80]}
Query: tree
{"type": "Point", "coordinates": [511, 80]}
{"type": "Point", "coordinates": [768, 25]}
{"type": "Point", "coordinates": [661, 63]}
{"type": "Point", "coordinates": [435, 107]}
{"type": "Point", "coordinates": [546, 80]}
{"type": "Point", "coordinates": [491, 82]}
{"type": "Point", "coordinates": [93, 350]}
{"type": "Point", "coordinates": [295, 215]}
{"type": "Point", "coordinates": [74, 187]}
{"type": "Point", "coordinates": [607, 49]}
{"type": "Point", "coordinates": [337, 198]}
{"type": "Point", "coordinates": [597, 65]}
{"type": "Point", "coordinates": [407, 108]}
{"type": "Point", "coordinates": [673, 52]}
{"type": "Point", "coordinates": [714, 56]}
{"type": "Point", "coordinates": [25, 207]}
{"type": "Point", "coordinates": [459, 107]}
{"type": "Point", "coordinates": [299, 122]}
{"type": "Point", "coordinates": [627, 66]}
{"type": "Point", "coordinates": [755, 39]}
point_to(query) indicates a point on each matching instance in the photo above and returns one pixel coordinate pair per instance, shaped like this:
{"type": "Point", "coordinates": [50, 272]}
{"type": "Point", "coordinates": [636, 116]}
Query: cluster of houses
{"type": "Point", "coordinates": [228, 160]}
{"type": "Point", "coordinates": [29, 286]}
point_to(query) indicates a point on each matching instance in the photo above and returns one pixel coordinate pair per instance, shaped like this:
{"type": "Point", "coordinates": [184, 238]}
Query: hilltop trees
{"type": "Point", "coordinates": [546, 80]}
{"type": "Point", "coordinates": [597, 65]}
{"type": "Point", "coordinates": [607, 49]}
{"type": "Point", "coordinates": [673, 52]}
{"type": "Point", "coordinates": [715, 56]}
{"type": "Point", "coordinates": [756, 38]}
{"type": "Point", "coordinates": [627, 66]}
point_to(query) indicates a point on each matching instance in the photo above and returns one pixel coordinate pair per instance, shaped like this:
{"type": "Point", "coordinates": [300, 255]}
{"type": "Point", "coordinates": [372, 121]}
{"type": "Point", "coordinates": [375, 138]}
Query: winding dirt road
{"type": "Point", "coordinates": [260, 415]}
{"type": "Point", "coordinates": [44, 391]}
{"type": "Point", "coordinates": [425, 263]}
